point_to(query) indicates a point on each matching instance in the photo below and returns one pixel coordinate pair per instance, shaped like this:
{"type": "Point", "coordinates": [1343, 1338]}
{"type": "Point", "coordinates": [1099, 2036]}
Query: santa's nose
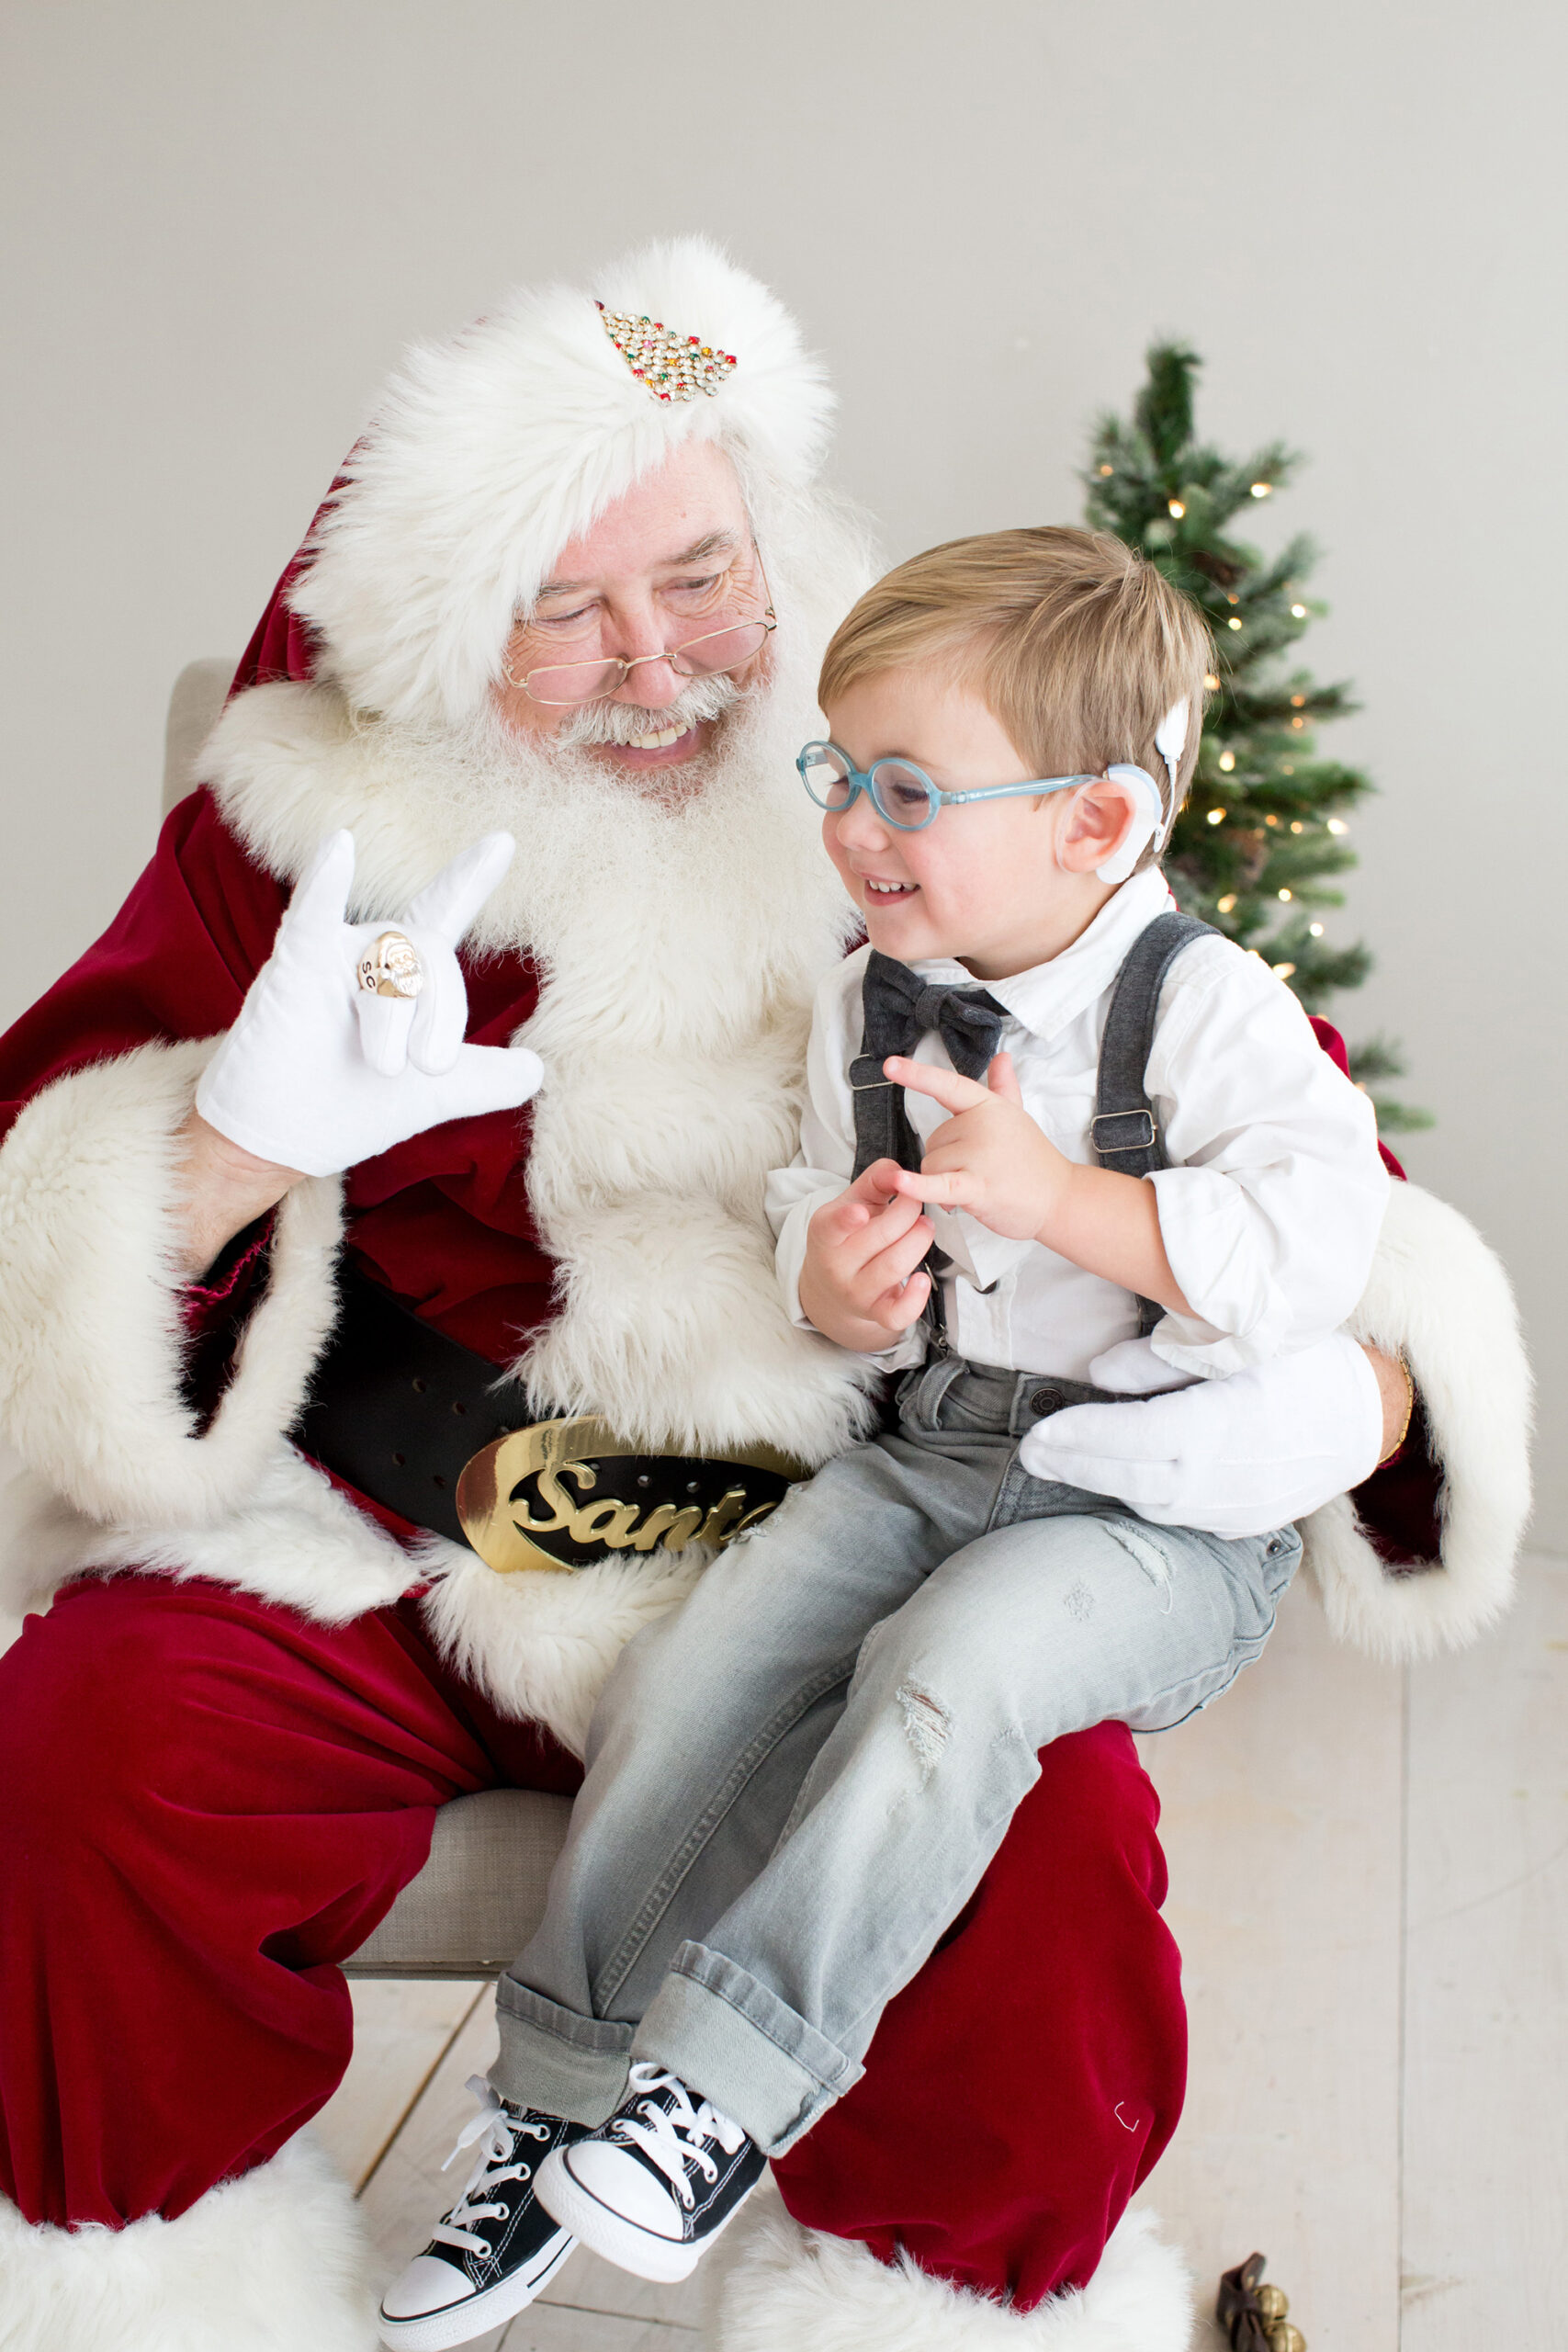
{"type": "Point", "coordinates": [653, 681]}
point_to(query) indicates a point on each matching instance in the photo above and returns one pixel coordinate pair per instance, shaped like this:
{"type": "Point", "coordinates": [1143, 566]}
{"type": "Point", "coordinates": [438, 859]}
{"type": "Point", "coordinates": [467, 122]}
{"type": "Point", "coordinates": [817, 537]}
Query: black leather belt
{"type": "Point", "coordinates": [428, 1429]}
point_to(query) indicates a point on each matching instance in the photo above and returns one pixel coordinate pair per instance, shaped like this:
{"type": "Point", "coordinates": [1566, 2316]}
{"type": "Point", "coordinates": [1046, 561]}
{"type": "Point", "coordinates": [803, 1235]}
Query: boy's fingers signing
{"type": "Point", "coordinates": [951, 1188]}
{"type": "Point", "coordinates": [1002, 1079]}
{"type": "Point", "coordinates": [860, 1278]}
{"type": "Point", "coordinates": [954, 1092]}
{"type": "Point", "coordinates": [863, 1221]}
{"type": "Point", "coordinates": [898, 1308]}
{"type": "Point", "coordinates": [866, 1275]}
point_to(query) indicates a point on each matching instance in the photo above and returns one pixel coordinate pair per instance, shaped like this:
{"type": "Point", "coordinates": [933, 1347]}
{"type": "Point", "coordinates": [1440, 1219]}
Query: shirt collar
{"type": "Point", "coordinates": [1046, 998]}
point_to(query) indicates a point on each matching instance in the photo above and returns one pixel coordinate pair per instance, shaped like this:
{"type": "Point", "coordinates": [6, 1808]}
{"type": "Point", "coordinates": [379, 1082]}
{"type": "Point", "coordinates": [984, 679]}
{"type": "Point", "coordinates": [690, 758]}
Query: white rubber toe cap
{"type": "Point", "coordinates": [617, 2180]}
{"type": "Point", "coordinates": [427, 2285]}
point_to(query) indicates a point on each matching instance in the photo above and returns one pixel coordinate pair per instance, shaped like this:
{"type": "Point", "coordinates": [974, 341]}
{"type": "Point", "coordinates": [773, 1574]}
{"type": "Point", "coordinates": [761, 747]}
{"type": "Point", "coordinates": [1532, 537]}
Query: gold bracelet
{"type": "Point", "coordinates": [1409, 1413]}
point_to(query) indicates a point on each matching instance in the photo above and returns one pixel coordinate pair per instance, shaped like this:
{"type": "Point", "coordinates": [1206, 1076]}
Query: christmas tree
{"type": "Point", "coordinates": [1264, 828]}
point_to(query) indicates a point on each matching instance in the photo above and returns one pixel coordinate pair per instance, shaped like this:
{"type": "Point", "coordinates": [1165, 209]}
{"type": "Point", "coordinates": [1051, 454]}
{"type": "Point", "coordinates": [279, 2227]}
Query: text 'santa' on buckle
{"type": "Point", "coordinates": [562, 1494]}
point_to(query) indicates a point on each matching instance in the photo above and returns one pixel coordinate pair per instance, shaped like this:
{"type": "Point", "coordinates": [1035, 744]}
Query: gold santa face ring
{"type": "Point", "coordinates": [392, 967]}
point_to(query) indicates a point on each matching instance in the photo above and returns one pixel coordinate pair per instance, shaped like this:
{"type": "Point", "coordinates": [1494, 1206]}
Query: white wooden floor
{"type": "Point", "coordinates": [1370, 1883]}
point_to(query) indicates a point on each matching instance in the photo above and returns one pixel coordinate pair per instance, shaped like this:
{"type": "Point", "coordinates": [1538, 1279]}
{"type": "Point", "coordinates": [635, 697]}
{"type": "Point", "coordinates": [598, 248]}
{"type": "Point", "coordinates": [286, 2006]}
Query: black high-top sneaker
{"type": "Point", "coordinates": [491, 2254]}
{"type": "Point", "coordinates": [652, 2188]}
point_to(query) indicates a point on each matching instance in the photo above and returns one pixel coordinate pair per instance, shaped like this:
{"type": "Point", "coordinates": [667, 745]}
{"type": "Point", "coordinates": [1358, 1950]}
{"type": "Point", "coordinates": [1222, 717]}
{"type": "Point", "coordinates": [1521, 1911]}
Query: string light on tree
{"type": "Point", "coordinates": [1261, 839]}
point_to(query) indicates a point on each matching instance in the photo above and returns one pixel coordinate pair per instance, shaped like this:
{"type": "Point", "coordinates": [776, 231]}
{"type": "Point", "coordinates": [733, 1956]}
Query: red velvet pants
{"type": "Point", "coordinates": [209, 1802]}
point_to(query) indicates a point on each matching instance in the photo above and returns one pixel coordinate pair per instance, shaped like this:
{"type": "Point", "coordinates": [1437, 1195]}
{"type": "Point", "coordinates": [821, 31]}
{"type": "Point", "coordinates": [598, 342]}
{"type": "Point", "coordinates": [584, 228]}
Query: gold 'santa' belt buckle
{"type": "Point", "coordinates": [564, 1494]}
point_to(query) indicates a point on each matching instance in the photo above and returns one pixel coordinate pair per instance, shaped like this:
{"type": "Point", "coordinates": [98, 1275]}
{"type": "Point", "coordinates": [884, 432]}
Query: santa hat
{"type": "Point", "coordinates": [488, 453]}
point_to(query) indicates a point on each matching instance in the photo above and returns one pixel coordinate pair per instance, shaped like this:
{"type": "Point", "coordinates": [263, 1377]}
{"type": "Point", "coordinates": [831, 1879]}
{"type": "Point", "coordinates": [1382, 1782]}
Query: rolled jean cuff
{"type": "Point", "coordinates": [554, 2060]}
{"type": "Point", "coordinates": [734, 2041]}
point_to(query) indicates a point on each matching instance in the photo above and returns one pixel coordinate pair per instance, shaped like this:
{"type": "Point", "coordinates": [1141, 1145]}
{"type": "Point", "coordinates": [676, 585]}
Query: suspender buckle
{"type": "Point", "coordinates": [1124, 1131]}
{"type": "Point", "coordinates": [866, 1075]}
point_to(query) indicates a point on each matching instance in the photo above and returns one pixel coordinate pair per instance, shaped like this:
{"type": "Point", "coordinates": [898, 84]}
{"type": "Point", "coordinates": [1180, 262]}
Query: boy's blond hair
{"type": "Point", "coordinates": [1075, 644]}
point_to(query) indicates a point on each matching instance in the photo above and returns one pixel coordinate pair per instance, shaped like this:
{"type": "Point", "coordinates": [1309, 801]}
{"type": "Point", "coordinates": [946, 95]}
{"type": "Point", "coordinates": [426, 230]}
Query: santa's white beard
{"type": "Point", "coordinates": [686, 897]}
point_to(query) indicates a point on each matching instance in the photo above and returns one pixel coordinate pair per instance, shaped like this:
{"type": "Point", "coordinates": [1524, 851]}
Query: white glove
{"type": "Point", "coordinates": [1238, 1456]}
{"type": "Point", "coordinates": [317, 1073]}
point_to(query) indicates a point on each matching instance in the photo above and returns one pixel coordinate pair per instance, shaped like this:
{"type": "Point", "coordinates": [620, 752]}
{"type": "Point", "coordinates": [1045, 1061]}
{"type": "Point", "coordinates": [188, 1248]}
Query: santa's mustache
{"type": "Point", "coordinates": [625, 722]}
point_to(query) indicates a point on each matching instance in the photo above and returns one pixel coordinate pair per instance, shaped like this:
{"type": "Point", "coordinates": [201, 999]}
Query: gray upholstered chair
{"type": "Point", "coordinates": [479, 1897]}
{"type": "Point", "coordinates": [481, 1893]}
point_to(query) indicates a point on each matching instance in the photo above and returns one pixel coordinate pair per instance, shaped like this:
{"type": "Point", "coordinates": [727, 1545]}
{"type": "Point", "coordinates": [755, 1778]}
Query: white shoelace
{"type": "Point", "coordinates": [670, 2138]}
{"type": "Point", "coordinates": [497, 2130]}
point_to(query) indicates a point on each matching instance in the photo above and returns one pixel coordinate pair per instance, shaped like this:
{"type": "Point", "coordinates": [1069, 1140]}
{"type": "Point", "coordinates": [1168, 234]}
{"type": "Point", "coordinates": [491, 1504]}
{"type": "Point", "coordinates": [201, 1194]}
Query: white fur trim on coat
{"type": "Point", "coordinates": [273, 2262]}
{"type": "Point", "coordinates": [292, 1540]}
{"type": "Point", "coordinates": [90, 1335]}
{"type": "Point", "coordinates": [489, 452]}
{"type": "Point", "coordinates": [774, 2287]}
{"type": "Point", "coordinates": [1438, 1298]}
{"type": "Point", "coordinates": [540, 1645]}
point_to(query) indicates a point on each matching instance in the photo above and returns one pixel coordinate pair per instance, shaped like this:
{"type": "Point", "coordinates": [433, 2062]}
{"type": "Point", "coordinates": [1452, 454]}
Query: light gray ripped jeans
{"type": "Point", "coordinates": [795, 1781]}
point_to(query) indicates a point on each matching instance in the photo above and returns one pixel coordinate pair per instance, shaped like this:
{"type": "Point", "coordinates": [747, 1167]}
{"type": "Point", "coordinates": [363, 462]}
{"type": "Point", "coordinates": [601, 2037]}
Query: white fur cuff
{"type": "Point", "coordinates": [90, 1335]}
{"type": "Point", "coordinates": [1438, 1298]}
{"type": "Point", "coordinates": [778, 2288]}
{"type": "Point", "coordinates": [276, 2258]}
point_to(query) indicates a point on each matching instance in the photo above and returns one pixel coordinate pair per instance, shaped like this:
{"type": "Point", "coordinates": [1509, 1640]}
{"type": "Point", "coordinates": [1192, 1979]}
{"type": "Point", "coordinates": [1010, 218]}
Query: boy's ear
{"type": "Point", "coordinates": [1098, 820]}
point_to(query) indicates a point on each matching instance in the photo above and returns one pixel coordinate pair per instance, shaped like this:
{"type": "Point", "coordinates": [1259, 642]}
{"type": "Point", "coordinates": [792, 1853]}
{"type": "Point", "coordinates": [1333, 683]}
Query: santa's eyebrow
{"type": "Point", "coordinates": [716, 543]}
{"type": "Point", "coordinates": [712, 543]}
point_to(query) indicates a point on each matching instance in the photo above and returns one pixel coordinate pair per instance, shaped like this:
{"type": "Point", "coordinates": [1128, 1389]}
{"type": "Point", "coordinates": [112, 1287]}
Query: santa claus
{"type": "Point", "coordinates": [280, 1135]}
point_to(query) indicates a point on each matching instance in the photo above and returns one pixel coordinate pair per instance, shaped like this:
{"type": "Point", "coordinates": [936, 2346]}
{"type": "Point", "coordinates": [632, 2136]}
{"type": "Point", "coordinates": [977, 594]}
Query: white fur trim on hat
{"type": "Point", "coordinates": [489, 452]}
{"type": "Point", "coordinates": [776, 2287]}
{"type": "Point", "coordinates": [1438, 1298]}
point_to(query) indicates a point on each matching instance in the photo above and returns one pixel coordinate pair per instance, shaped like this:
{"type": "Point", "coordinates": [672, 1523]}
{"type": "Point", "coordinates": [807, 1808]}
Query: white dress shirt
{"type": "Point", "coordinates": [1269, 1211]}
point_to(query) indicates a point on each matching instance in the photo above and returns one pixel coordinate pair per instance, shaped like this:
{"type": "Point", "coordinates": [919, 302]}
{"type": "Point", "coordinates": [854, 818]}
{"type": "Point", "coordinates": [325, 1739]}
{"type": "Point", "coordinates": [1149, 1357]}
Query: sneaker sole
{"type": "Point", "coordinates": [619, 2240]}
{"type": "Point", "coordinates": [460, 2323]}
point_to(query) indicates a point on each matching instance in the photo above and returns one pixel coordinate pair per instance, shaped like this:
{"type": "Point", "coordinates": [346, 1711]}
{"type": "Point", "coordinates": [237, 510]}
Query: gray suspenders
{"type": "Point", "coordinates": [1125, 1132]}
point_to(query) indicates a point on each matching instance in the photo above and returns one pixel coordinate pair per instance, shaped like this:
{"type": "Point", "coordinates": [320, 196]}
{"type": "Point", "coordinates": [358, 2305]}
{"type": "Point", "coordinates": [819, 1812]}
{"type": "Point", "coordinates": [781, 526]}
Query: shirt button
{"type": "Point", "coordinates": [1045, 1400]}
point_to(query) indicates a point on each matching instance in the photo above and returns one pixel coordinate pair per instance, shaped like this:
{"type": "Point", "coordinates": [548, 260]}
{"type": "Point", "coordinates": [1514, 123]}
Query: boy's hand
{"type": "Point", "coordinates": [990, 1158]}
{"type": "Point", "coordinates": [859, 1284]}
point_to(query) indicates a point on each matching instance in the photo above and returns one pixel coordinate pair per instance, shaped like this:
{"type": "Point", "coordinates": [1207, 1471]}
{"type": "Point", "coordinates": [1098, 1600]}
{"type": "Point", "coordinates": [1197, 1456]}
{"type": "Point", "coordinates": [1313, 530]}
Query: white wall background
{"type": "Point", "coordinates": [220, 223]}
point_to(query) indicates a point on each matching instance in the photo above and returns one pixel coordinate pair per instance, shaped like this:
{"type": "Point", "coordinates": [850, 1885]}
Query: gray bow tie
{"type": "Point", "coordinates": [899, 1009]}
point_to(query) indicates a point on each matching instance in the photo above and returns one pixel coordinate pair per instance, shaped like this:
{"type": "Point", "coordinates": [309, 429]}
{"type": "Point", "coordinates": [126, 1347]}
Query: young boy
{"type": "Point", "coordinates": [1025, 1199]}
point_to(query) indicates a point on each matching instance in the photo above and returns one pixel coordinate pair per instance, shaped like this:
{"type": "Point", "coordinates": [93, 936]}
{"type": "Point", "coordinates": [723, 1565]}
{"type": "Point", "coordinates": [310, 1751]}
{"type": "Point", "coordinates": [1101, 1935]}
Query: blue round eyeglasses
{"type": "Point", "coordinates": [902, 795]}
